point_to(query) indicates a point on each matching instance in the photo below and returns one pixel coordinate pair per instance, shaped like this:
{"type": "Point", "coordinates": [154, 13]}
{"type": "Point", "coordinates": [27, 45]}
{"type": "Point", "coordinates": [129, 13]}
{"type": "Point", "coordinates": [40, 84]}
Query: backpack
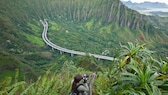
{"type": "Point", "coordinates": [76, 92]}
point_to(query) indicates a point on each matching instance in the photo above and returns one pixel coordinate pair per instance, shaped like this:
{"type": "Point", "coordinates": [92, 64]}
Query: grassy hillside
{"type": "Point", "coordinates": [90, 26]}
{"type": "Point", "coordinates": [135, 72]}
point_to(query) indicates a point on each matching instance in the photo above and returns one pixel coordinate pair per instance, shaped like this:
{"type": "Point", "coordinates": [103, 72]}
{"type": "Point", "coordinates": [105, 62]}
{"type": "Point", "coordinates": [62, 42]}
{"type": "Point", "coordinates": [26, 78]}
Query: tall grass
{"type": "Point", "coordinates": [138, 75]}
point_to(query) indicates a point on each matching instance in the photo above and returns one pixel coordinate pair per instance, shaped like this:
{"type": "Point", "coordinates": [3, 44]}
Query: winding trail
{"type": "Point", "coordinates": [61, 49]}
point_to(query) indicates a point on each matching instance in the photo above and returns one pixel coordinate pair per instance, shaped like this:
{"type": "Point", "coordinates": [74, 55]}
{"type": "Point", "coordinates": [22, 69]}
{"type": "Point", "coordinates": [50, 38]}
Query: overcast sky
{"type": "Point", "coordinates": [139, 1]}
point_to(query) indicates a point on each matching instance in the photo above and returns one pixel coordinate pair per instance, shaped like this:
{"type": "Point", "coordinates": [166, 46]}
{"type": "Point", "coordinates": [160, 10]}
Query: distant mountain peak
{"type": "Point", "coordinates": [146, 4]}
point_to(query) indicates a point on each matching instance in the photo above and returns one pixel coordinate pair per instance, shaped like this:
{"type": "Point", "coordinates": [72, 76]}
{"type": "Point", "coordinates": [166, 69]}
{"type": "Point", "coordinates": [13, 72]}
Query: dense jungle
{"type": "Point", "coordinates": [28, 66]}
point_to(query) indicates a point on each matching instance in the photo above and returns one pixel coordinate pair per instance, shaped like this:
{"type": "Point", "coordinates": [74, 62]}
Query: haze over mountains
{"type": "Point", "coordinates": [153, 8]}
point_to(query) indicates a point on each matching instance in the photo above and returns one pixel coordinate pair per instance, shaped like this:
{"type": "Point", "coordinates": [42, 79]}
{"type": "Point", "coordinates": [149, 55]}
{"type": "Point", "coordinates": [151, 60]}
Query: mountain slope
{"type": "Point", "coordinates": [102, 24]}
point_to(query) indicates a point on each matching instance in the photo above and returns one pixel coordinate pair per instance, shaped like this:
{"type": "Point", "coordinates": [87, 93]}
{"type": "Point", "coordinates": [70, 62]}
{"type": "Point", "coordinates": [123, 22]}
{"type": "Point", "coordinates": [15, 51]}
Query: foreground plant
{"type": "Point", "coordinates": [134, 51]}
{"type": "Point", "coordinates": [11, 87]}
{"type": "Point", "coordinates": [135, 73]}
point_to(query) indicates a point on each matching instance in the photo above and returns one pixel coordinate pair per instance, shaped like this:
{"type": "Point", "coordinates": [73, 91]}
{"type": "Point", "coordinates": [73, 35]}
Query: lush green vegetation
{"type": "Point", "coordinates": [85, 37]}
{"type": "Point", "coordinates": [98, 25]}
{"type": "Point", "coordinates": [135, 72]}
{"type": "Point", "coordinates": [85, 25]}
{"type": "Point", "coordinates": [158, 22]}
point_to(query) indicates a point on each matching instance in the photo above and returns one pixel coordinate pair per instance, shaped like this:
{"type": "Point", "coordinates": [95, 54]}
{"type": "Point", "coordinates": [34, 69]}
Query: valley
{"type": "Point", "coordinates": [98, 30]}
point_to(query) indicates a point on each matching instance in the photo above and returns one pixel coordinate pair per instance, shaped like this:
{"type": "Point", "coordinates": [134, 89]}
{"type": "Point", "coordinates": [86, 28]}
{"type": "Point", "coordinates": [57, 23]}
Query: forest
{"type": "Point", "coordinates": [136, 72]}
{"type": "Point", "coordinates": [29, 67]}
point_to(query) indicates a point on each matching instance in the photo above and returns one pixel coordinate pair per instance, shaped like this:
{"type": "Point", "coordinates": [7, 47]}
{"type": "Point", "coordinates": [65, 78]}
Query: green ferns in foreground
{"type": "Point", "coordinates": [135, 72]}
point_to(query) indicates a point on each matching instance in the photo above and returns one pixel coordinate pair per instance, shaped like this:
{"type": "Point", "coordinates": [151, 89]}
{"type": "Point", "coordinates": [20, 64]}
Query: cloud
{"type": "Point", "coordinates": [140, 1]}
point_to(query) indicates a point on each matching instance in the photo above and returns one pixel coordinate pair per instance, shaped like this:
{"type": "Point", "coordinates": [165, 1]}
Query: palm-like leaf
{"type": "Point", "coordinates": [135, 51]}
{"type": "Point", "coordinates": [142, 78]}
{"type": "Point", "coordinates": [155, 89]}
{"type": "Point", "coordinates": [161, 66]}
{"type": "Point", "coordinates": [130, 78]}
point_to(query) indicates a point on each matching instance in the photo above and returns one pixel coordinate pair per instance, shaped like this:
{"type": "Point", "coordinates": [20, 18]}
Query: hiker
{"type": "Point", "coordinates": [80, 85]}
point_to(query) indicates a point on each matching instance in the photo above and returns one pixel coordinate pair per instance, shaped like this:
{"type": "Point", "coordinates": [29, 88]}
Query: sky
{"type": "Point", "coordinates": [140, 1]}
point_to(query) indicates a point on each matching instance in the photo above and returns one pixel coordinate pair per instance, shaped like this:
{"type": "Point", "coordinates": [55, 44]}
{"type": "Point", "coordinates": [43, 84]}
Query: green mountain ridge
{"type": "Point", "coordinates": [20, 28]}
{"type": "Point", "coordinates": [29, 67]}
